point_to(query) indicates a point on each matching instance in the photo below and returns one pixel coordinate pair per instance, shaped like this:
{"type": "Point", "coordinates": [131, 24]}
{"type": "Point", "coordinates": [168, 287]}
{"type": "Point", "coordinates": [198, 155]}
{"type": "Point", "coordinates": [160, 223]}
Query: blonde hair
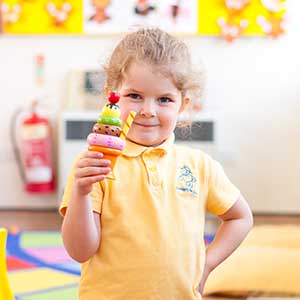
{"type": "Point", "coordinates": [167, 54]}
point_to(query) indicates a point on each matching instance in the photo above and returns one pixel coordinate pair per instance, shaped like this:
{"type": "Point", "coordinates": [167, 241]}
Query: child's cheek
{"type": "Point", "coordinates": [126, 108]}
{"type": "Point", "coordinates": [124, 115]}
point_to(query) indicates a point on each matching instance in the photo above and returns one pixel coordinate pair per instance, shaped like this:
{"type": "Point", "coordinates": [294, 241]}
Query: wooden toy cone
{"type": "Point", "coordinates": [5, 290]}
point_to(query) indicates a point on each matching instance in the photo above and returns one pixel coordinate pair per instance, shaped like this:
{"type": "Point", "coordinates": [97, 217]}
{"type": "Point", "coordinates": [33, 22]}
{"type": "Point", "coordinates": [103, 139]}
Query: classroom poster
{"type": "Point", "coordinates": [41, 16]}
{"type": "Point", "coordinates": [229, 18]}
{"type": "Point", "coordinates": [257, 15]}
{"type": "Point", "coordinates": [115, 16]}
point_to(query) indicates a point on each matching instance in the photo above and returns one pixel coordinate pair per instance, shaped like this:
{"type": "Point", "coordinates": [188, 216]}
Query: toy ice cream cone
{"type": "Point", "coordinates": [108, 137]}
{"type": "Point", "coordinates": [110, 154]}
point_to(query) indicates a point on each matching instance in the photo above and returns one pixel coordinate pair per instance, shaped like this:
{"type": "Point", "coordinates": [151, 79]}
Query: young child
{"type": "Point", "coordinates": [140, 236]}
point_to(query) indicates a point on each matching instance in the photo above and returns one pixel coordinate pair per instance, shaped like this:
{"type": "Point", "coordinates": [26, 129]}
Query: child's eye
{"type": "Point", "coordinates": [134, 96]}
{"type": "Point", "coordinates": [164, 100]}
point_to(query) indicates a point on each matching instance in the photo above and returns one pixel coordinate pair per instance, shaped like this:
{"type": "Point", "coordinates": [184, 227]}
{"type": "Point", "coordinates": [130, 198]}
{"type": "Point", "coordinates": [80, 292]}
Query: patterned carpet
{"type": "Point", "coordinates": [40, 269]}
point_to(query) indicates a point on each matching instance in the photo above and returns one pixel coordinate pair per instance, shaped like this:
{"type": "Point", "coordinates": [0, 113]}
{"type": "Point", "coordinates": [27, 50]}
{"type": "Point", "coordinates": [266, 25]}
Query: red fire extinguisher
{"type": "Point", "coordinates": [31, 139]}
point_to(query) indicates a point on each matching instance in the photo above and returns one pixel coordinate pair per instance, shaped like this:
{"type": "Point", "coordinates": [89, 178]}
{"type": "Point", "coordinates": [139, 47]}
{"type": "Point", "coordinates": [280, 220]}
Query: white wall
{"type": "Point", "coordinates": [253, 85]}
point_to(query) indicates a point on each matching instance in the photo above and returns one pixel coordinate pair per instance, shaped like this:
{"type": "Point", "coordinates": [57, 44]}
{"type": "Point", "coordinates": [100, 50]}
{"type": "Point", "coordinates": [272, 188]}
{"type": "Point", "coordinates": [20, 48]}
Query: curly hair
{"type": "Point", "coordinates": [165, 53]}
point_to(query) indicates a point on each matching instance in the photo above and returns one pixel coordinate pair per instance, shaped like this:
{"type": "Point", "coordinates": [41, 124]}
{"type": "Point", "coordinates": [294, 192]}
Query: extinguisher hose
{"type": "Point", "coordinates": [14, 141]}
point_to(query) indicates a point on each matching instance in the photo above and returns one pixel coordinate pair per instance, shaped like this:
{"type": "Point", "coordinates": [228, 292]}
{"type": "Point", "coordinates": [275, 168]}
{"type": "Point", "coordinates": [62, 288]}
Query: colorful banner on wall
{"type": "Point", "coordinates": [229, 18]}
{"type": "Point", "coordinates": [41, 16]}
{"type": "Point", "coordinates": [120, 16]}
{"type": "Point", "coordinates": [232, 18]}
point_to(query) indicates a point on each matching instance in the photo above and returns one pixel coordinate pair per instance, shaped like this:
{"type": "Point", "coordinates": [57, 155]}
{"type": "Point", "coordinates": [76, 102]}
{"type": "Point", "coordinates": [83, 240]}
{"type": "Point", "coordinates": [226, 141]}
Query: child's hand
{"type": "Point", "coordinates": [200, 287]}
{"type": "Point", "coordinates": [89, 169]}
{"type": "Point", "coordinates": [206, 272]}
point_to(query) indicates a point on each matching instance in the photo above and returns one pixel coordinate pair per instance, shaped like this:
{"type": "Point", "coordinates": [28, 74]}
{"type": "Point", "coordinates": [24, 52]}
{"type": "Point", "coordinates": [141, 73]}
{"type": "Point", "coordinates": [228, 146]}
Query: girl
{"type": "Point", "coordinates": [140, 236]}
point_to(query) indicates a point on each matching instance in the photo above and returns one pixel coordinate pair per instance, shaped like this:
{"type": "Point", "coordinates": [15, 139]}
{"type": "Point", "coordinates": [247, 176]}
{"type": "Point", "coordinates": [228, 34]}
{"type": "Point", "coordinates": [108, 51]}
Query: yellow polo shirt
{"type": "Point", "coordinates": [152, 218]}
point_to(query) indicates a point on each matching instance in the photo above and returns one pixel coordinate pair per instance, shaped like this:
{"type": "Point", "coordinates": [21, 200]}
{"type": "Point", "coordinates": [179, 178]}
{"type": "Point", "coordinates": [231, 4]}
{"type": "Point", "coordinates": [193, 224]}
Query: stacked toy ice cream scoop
{"type": "Point", "coordinates": [108, 136]}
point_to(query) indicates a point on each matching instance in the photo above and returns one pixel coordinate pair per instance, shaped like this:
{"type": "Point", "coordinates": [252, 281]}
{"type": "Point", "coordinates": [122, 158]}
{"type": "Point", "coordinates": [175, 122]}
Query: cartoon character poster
{"type": "Point", "coordinates": [41, 16]}
{"type": "Point", "coordinates": [115, 16]}
{"type": "Point", "coordinates": [232, 18]}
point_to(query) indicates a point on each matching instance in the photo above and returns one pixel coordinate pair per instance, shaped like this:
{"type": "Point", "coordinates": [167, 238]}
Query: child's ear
{"type": "Point", "coordinates": [185, 103]}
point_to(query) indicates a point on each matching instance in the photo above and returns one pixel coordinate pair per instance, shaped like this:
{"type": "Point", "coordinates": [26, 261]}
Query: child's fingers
{"type": "Point", "coordinates": [91, 171]}
{"type": "Point", "coordinates": [92, 154]}
{"type": "Point", "coordinates": [87, 181]}
{"type": "Point", "coordinates": [85, 162]}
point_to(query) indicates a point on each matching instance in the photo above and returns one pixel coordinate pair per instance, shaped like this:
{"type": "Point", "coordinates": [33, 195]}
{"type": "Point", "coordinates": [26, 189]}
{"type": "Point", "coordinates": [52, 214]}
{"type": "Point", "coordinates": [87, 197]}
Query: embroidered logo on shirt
{"type": "Point", "coordinates": [186, 182]}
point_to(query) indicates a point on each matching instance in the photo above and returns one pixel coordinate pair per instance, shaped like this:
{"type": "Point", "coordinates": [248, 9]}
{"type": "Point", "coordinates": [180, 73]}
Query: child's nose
{"type": "Point", "coordinates": [148, 109]}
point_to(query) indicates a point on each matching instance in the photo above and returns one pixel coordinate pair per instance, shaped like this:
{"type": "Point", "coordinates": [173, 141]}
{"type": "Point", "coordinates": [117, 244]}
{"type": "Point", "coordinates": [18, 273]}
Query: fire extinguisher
{"type": "Point", "coordinates": [32, 143]}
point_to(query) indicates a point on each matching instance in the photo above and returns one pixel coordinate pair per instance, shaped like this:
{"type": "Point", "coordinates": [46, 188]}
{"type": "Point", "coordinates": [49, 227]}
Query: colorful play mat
{"type": "Point", "coordinates": [39, 268]}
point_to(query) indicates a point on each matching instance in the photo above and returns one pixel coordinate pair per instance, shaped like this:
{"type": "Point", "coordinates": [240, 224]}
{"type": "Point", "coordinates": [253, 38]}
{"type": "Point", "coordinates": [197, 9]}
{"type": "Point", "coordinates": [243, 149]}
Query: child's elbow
{"type": "Point", "coordinates": [80, 252]}
{"type": "Point", "coordinates": [81, 258]}
{"type": "Point", "coordinates": [250, 217]}
{"type": "Point", "coordinates": [250, 220]}
{"type": "Point", "coordinates": [80, 255]}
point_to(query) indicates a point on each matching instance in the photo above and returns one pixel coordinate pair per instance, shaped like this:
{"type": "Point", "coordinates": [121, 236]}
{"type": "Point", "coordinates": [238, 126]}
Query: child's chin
{"type": "Point", "coordinates": [144, 141]}
{"type": "Point", "coordinates": [149, 143]}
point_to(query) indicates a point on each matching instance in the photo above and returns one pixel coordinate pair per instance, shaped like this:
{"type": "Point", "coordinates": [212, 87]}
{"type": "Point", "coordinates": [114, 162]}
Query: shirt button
{"type": "Point", "coordinates": [153, 168]}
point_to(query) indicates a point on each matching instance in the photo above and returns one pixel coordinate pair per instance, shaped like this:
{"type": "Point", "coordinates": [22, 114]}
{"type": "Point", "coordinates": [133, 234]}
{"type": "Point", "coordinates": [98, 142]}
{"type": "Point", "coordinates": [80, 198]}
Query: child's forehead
{"type": "Point", "coordinates": [143, 77]}
{"type": "Point", "coordinates": [136, 67]}
{"type": "Point", "coordinates": [141, 72]}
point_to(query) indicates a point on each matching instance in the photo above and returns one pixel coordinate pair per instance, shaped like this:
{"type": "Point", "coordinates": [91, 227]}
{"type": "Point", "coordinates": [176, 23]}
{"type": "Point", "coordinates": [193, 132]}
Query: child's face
{"type": "Point", "coordinates": [155, 99]}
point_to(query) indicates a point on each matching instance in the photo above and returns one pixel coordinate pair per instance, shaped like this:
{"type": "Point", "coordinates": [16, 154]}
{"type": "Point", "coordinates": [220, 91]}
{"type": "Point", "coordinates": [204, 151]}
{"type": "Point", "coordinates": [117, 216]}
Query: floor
{"type": "Point", "coordinates": [30, 220]}
{"type": "Point", "coordinates": [51, 220]}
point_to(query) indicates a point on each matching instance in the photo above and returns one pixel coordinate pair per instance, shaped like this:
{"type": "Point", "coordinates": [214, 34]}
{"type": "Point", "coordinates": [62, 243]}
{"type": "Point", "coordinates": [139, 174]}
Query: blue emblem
{"type": "Point", "coordinates": [186, 182]}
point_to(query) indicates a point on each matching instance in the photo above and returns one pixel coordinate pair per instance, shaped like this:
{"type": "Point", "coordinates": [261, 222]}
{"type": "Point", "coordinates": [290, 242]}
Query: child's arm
{"type": "Point", "coordinates": [81, 228]}
{"type": "Point", "coordinates": [236, 223]}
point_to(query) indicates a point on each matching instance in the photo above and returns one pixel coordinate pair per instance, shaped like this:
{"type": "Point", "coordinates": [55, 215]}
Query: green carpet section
{"type": "Point", "coordinates": [64, 294]}
{"type": "Point", "coordinates": [40, 239]}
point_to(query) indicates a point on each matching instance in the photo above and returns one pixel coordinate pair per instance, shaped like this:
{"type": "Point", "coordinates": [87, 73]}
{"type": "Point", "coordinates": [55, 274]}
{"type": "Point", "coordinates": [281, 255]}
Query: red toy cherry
{"type": "Point", "coordinates": [113, 97]}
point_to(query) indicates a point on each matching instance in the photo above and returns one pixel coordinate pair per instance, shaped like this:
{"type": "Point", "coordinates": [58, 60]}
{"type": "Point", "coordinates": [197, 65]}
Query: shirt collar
{"type": "Point", "coordinates": [133, 150]}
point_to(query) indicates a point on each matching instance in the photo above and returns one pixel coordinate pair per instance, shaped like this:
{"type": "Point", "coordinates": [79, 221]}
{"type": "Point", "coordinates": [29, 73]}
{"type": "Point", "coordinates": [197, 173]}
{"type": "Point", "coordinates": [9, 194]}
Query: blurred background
{"type": "Point", "coordinates": [51, 78]}
{"type": "Point", "coordinates": [249, 110]}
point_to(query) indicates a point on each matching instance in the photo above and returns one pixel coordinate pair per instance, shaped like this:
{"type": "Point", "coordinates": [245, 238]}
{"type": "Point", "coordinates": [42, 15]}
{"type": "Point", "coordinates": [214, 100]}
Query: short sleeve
{"type": "Point", "coordinates": [96, 195]}
{"type": "Point", "coordinates": [222, 194]}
